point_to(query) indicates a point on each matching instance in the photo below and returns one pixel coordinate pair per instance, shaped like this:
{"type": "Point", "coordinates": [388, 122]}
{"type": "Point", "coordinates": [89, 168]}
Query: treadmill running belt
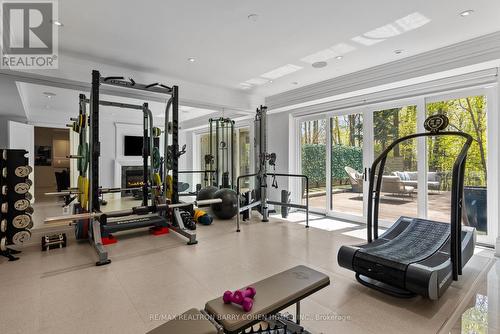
{"type": "Point", "coordinates": [418, 241]}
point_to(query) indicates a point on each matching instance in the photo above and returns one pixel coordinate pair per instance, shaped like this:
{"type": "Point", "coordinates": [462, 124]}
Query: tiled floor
{"type": "Point", "coordinates": [151, 278]}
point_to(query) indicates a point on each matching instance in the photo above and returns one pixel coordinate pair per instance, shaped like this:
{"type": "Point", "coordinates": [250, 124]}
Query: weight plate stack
{"type": "Point", "coordinates": [15, 198]}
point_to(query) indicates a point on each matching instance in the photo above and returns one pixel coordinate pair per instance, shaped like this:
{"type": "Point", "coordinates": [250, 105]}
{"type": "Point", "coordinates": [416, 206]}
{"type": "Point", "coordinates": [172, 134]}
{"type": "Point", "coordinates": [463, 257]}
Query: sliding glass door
{"type": "Point", "coordinates": [400, 180]}
{"type": "Point", "coordinates": [338, 148]}
{"type": "Point", "coordinates": [313, 161]}
{"type": "Point", "coordinates": [346, 164]}
{"type": "Point", "coordinates": [467, 113]}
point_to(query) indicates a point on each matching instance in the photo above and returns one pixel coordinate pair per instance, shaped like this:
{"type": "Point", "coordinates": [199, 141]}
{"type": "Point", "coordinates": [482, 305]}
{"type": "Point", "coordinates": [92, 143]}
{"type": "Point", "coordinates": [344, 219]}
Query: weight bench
{"type": "Point", "coordinates": [274, 294]}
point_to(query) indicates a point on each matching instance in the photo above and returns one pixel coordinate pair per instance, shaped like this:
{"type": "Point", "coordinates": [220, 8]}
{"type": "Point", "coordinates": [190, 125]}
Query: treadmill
{"type": "Point", "coordinates": [415, 256]}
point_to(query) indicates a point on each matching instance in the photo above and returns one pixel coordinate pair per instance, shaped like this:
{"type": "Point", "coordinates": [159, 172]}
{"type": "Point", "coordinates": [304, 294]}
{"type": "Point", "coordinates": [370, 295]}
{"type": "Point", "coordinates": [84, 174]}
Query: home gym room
{"type": "Point", "coordinates": [273, 167]}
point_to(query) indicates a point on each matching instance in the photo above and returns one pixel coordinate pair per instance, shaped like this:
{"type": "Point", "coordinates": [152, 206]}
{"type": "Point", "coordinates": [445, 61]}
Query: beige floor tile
{"type": "Point", "coordinates": [152, 278]}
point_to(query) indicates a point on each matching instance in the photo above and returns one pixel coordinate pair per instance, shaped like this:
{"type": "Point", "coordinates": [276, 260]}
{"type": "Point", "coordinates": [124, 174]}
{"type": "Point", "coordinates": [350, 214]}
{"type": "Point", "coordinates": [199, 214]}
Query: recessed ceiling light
{"type": "Point", "coordinates": [49, 95]}
{"type": "Point", "coordinates": [466, 12]}
{"type": "Point", "coordinates": [319, 64]}
{"type": "Point", "coordinates": [57, 23]}
{"type": "Point", "coordinates": [295, 83]}
{"type": "Point", "coordinates": [253, 17]}
{"type": "Point", "coordinates": [270, 81]}
{"type": "Point", "coordinates": [191, 59]}
{"type": "Point", "coordinates": [398, 52]}
{"type": "Point", "coordinates": [339, 57]}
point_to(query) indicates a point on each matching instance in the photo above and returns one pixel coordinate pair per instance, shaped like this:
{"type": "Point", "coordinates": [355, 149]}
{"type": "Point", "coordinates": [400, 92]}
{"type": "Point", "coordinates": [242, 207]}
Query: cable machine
{"type": "Point", "coordinates": [221, 153]}
{"type": "Point", "coordinates": [257, 199]}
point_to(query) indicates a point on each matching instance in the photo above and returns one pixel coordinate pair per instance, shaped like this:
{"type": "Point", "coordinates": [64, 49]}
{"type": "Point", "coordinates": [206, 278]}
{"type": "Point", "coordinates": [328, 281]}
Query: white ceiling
{"type": "Point", "coordinates": [157, 36]}
{"type": "Point", "coordinates": [59, 108]}
{"type": "Point", "coordinates": [153, 40]}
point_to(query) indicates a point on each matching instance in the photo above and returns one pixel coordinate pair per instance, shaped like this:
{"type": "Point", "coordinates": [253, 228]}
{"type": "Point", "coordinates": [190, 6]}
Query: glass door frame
{"type": "Point", "coordinates": [492, 156]}
{"type": "Point", "coordinates": [298, 130]}
{"type": "Point", "coordinates": [491, 92]}
{"type": "Point", "coordinates": [367, 158]}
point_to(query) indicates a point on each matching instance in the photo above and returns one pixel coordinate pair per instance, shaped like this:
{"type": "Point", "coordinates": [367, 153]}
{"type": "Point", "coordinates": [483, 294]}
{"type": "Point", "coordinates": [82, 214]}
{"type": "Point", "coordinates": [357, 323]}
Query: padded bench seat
{"type": "Point", "coordinates": [189, 322]}
{"type": "Point", "coordinates": [274, 294]}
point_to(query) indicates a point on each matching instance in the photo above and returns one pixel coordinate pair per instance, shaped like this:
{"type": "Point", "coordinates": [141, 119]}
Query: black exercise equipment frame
{"type": "Point", "coordinates": [456, 194]}
{"type": "Point", "coordinates": [95, 145]}
{"type": "Point", "coordinates": [218, 121]}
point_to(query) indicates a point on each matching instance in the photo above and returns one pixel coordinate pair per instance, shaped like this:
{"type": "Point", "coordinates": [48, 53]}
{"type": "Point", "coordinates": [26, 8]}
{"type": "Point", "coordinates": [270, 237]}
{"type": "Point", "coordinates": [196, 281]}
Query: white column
{"type": "Point", "coordinates": [494, 164]}
{"type": "Point", "coordinates": [422, 189]}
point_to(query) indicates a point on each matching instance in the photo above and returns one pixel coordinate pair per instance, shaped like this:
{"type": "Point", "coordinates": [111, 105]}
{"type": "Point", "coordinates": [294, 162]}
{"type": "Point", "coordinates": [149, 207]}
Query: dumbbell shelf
{"type": "Point", "coordinates": [16, 210]}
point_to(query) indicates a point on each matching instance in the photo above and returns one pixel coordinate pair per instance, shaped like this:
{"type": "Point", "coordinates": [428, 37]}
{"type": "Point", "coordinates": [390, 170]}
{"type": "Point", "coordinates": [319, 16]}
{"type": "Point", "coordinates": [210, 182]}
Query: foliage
{"type": "Point", "coordinates": [314, 162]}
{"type": "Point", "coordinates": [343, 156]}
{"type": "Point", "coordinates": [467, 115]}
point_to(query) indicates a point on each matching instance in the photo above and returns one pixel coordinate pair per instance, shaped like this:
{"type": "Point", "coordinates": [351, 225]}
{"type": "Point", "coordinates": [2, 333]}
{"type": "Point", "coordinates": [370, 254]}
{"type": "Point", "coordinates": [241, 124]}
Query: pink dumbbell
{"type": "Point", "coordinates": [241, 297]}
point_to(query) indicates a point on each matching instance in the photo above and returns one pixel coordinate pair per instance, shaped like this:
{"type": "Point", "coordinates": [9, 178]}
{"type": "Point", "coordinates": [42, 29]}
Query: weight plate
{"type": "Point", "coordinates": [21, 188]}
{"type": "Point", "coordinates": [79, 160]}
{"type": "Point", "coordinates": [5, 207]}
{"type": "Point", "coordinates": [21, 237]}
{"type": "Point", "coordinates": [3, 244]}
{"type": "Point", "coordinates": [29, 210]}
{"type": "Point", "coordinates": [21, 221]}
{"type": "Point", "coordinates": [156, 132]}
{"type": "Point", "coordinates": [85, 194]}
{"type": "Point", "coordinates": [29, 182]}
{"type": "Point", "coordinates": [86, 157]}
{"type": "Point", "coordinates": [22, 171]}
{"type": "Point", "coordinates": [4, 190]}
{"type": "Point", "coordinates": [4, 172]}
{"type": "Point", "coordinates": [82, 229]}
{"type": "Point", "coordinates": [84, 154]}
{"type": "Point", "coordinates": [3, 225]}
{"type": "Point", "coordinates": [81, 121]}
{"type": "Point", "coordinates": [21, 205]}
{"type": "Point", "coordinates": [28, 196]}
{"type": "Point", "coordinates": [4, 154]}
{"type": "Point", "coordinates": [156, 158]}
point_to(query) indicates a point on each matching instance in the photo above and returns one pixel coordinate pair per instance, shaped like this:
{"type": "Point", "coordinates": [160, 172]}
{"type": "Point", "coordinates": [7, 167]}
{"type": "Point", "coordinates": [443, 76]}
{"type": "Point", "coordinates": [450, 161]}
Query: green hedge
{"type": "Point", "coordinates": [314, 162]}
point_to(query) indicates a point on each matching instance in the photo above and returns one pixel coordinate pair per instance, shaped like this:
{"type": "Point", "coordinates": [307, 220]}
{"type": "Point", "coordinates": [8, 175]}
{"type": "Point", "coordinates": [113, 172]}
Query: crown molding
{"type": "Point", "coordinates": [474, 51]}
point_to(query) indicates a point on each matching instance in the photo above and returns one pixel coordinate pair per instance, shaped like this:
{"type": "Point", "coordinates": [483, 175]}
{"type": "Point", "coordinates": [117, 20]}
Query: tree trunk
{"type": "Point", "coordinates": [352, 129]}
{"type": "Point", "coordinates": [395, 130]}
{"type": "Point", "coordinates": [479, 136]}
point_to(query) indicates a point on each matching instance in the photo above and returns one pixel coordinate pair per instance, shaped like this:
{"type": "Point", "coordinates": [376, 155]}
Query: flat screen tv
{"type": "Point", "coordinates": [133, 145]}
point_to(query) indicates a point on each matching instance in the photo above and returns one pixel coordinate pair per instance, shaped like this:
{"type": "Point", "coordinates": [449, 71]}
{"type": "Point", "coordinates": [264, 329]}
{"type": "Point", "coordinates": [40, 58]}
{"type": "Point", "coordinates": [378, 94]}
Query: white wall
{"type": "Point", "coordinates": [4, 137]}
{"type": "Point", "coordinates": [22, 137]}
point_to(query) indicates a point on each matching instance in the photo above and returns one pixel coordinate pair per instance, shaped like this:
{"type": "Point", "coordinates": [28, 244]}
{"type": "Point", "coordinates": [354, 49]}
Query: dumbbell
{"type": "Point", "coordinates": [241, 297]}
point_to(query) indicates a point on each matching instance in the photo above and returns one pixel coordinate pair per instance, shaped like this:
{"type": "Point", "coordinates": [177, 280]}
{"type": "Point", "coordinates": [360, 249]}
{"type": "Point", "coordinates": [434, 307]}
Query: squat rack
{"type": "Point", "coordinates": [95, 150]}
{"type": "Point", "coordinates": [95, 146]}
{"type": "Point", "coordinates": [146, 117]}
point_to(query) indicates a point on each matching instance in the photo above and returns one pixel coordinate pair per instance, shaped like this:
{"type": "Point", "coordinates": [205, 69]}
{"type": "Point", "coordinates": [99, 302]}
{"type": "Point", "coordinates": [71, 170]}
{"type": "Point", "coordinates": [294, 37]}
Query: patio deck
{"type": "Point", "coordinates": [391, 207]}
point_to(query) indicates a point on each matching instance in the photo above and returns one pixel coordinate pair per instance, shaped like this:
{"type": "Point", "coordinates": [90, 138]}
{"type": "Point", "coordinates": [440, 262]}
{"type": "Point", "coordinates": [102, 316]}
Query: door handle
{"type": "Point", "coordinates": [366, 173]}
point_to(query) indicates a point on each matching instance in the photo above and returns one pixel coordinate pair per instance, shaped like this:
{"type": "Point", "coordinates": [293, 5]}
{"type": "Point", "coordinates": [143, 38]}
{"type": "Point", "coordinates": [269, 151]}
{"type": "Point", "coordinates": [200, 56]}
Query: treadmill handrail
{"type": "Point", "coordinates": [456, 193]}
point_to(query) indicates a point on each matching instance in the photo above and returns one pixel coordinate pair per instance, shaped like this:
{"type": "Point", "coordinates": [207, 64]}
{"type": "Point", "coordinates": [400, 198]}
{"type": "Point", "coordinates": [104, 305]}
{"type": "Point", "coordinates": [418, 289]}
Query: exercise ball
{"type": "Point", "coordinates": [206, 193]}
{"type": "Point", "coordinates": [229, 206]}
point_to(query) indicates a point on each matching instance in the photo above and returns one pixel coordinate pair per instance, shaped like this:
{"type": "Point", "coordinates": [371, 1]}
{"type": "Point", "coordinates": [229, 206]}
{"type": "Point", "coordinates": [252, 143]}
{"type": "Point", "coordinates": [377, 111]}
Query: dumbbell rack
{"type": "Point", "coordinates": [16, 210]}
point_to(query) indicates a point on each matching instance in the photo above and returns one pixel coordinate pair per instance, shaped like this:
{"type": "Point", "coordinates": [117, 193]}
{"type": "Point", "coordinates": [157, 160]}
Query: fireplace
{"type": "Point", "coordinates": [132, 177]}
